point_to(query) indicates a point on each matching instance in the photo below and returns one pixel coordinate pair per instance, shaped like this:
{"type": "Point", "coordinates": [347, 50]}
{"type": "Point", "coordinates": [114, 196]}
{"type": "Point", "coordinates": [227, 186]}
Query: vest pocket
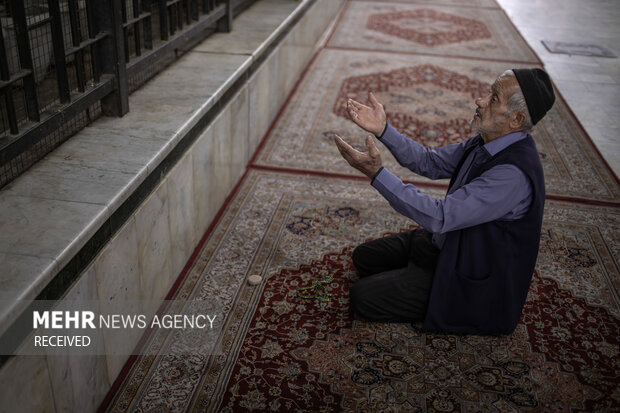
{"type": "Point", "coordinates": [480, 303]}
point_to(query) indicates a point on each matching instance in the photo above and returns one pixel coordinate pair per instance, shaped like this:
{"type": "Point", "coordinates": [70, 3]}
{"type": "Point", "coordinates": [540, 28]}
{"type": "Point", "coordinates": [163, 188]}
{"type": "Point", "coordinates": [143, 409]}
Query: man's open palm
{"type": "Point", "coordinates": [370, 117]}
{"type": "Point", "coordinates": [368, 163]}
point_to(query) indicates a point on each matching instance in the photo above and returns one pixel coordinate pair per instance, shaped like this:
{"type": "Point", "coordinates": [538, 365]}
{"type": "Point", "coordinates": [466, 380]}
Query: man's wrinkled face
{"type": "Point", "coordinates": [490, 118]}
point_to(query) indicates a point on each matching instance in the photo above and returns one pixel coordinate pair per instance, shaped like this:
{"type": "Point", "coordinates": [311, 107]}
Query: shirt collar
{"type": "Point", "coordinates": [501, 143]}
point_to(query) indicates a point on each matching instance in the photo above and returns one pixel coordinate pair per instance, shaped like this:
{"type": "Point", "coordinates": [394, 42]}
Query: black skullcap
{"type": "Point", "coordinates": [537, 90]}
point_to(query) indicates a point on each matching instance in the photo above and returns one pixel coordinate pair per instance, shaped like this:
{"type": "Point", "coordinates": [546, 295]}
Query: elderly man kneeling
{"type": "Point", "coordinates": [470, 267]}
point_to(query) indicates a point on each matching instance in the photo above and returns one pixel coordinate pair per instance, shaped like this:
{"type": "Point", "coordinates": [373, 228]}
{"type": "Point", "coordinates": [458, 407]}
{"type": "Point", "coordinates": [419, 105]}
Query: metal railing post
{"type": "Point", "coordinates": [23, 46]}
{"type": "Point", "coordinates": [62, 78]}
{"type": "Point", "coordinates": [226, 22]}
{"type": "Point", "coordinates": [5, 76]}
{"type": "Point", "coordinates": [109, 18]}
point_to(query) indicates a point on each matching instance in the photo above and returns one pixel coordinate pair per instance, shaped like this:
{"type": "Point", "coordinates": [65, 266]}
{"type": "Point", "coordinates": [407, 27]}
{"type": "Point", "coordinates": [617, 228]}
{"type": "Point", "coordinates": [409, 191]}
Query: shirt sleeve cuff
{"type": "Point", "coordinates": [375, 175]}
{"type": "Point", "coordinates": [384, 129]}
{"type": "Point", "coordinates": [386, 182]}
{"type": "Point", "coordinates": [390, 136]}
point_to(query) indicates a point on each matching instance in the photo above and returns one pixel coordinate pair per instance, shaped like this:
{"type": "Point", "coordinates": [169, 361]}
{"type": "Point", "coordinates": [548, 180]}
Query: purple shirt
{"type": "Point", "coordinates": [501, 193]}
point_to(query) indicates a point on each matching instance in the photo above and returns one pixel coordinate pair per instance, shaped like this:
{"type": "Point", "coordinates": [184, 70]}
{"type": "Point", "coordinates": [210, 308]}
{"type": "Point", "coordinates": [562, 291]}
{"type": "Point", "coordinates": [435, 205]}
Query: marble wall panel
{"type": "Point", "coordinates": [277, 94]}
{"type": "Point", "coordinates": [183, 231]}
{"type": "Point", "coordinates": [204, 181]}
{"type": "Point", "coordinates": [258, 110]}
{"type": "Point", "coordinates": [319, 20]}
{"type": "Point", "coordinates": [25, 385]}
{"type": "Point", "coordinates": [239, 133]}
{"type": "Point", "coordinates": [117, 272]}
{"type": "Point", "coordinates": [294, 56]}
{"type": "Point", "coordinates": [296, 52]}
{"type": "Point", "coordinates": [284, 70]}
{"type": "Point", "coordinates": [154, 246]}
{"type": "Point", "coordinates": [222, 149]}
{"type": "Point", "coordinates": [262, 102]}
{"type": "Point", "coordinates": [79, 383]}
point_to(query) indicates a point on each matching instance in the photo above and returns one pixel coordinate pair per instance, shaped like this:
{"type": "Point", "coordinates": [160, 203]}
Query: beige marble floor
{"type": "Point", "coordinates": [590, 85]}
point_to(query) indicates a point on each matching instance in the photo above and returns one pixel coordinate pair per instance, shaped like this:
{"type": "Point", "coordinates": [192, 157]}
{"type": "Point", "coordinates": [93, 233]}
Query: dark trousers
{"type": "Point", "coordinates": [396, 276]}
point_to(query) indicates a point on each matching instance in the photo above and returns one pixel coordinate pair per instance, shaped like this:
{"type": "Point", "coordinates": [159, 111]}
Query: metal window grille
{"type": "Point", "coordinates": [65, 62]}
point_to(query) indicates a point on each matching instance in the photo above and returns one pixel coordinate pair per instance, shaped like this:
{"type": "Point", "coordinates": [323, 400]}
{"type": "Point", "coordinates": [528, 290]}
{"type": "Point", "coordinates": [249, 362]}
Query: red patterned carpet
{"type": "Point", "coordinates": [299, 212]}
{"type": "Point", "coordinates": [285, 353]}
{"type": "Point", "coordinates": [431, 28]}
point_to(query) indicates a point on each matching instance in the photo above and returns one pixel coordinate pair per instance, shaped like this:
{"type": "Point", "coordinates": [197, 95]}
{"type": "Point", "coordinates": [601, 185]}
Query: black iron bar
{"type": "Point", "coordinates": [74, 19]}
{"type": "Point", "coordinates": [172, 17]}
{"type": "Point", "coordinates": [225, 23]}
{"type": "Point", "coordinates": [111, 54]}
{"type": "Point", "coordinates": [10, 109]}
{"type": "Point", "coordinates": [4, 65]}
{"type": "Point", "coordinates": [189, 11]}
{"type": "Point", "coordinates": [147, 24]}
{"type": "Point", "coordinates": [39, 23]}
{"type": "Point", "coordinates": [163, 19]}
{"type": "Point", "coordinates": [5, 75]}
{"type": "Point", "coordinates": [125, 30]}
{"type": "Point", "coordinates": [119, 61]}
{"type": "Point", "coordinates": [195, 10]}
{"type": "Point", "coordinates": [180, 15]}
{"type": "Point", "coordinates": [85, 44]}
{"type": "Point", "coordinates": [136, 28]}
{"type": "Point", "coordinates": [134, 20]}
{"type": "Point", "coordinates": [23, 47]}
{"type": "Point", "coordinates": [59, 53]}
{"type": "Point", "coordinates": [93, 36]}
{"type": "Point", "coordinates": [22, 74]}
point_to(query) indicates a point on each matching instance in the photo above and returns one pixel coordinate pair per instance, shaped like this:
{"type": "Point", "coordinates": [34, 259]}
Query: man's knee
{"type": "Point", "coordinates": [360, 258]}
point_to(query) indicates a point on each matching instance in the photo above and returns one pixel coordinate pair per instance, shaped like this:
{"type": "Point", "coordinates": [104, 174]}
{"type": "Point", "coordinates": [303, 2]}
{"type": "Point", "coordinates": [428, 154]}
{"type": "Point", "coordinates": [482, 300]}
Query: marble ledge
{"type": "Point", "coordinates": [16, 289]}
{"type": "Point", "coordinates": [169, 106]}
{"type": "Point", "coordinates": [47, 228]}
{"type": "Point", "coordinates": [244, 64]}
{"type": "Point", "coordinates": [63, 181]}
{"type": "Point", "coordinates": [255, 30]}
{"type": "Point", "coordinates": [301, 8]}
{"type": "Point", "coordinates": [31, 259]}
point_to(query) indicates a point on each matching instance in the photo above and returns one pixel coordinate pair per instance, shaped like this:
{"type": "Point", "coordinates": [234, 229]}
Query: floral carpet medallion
{"type": "Point", "coordinates": [428, 27]}
{"type": "Point", "coordinates": [281, 352]}
{"type": "Point", "coordinates": [430, 99]}
{"type": "Point", "coordinates": [428, 102]}
{"type": "Point", "coordinates": [431, 29]}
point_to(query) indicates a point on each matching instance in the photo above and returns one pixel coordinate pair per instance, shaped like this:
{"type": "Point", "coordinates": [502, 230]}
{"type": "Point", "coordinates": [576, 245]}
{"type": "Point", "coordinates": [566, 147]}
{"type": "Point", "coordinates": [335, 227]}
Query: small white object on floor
{"type": "Point", "coordinates": [254, 279]}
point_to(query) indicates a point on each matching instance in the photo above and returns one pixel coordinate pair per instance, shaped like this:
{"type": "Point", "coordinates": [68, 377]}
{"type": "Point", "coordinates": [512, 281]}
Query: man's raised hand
{"type": "Point", "coordinates": [368, 163]}
{"type": "Point", "coordinates": [371, 118]}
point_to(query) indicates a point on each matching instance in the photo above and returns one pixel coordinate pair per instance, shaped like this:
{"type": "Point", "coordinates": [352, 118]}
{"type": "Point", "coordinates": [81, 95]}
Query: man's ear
{"type": "Point", "coordinates": [517, 119]}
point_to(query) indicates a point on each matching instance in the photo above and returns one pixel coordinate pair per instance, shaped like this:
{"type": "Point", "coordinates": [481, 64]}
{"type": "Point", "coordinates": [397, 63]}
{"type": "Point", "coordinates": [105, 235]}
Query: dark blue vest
{"type": "Point", "coordinates": [484, 272]}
